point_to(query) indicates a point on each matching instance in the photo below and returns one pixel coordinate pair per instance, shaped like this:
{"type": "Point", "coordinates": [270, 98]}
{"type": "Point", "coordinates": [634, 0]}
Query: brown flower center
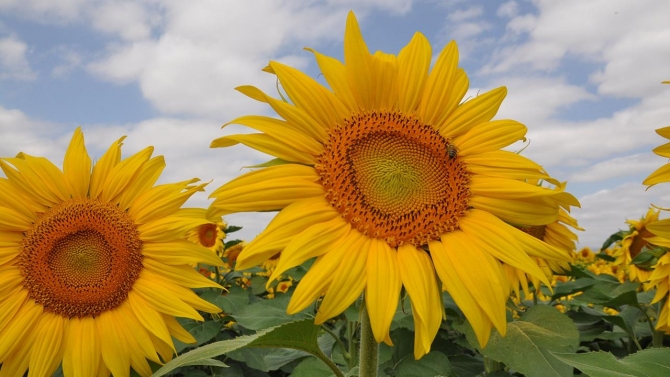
{"type": "Point", "coordinates": [207, 234]}
{"type": "Point", "coordinates": [81, 258]}
{"type": "Point", "coordinates": [393, 177]}
{"type": "Point", "coordinates": [536, 231]}
{"type": "Point", "coordinates": [639, 242]}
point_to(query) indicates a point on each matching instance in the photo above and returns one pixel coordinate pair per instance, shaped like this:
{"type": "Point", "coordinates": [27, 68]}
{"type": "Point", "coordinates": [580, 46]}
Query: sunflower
{"type": "Point", "coordinates": [389, 181]}
{"type": "Point", "coordinates": [661, 174]}
{"type": "Point", "coordinates": [633, 242]}
{"type": "Point", "coordinates": [210, 234]}
{"type": "Point", "coordinates": [93, 263]}
{"type": "Point", "coordinates": [556, 234]}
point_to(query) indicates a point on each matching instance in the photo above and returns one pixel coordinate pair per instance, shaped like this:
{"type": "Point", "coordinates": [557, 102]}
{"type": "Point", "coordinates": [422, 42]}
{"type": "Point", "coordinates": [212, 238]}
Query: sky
{"type": "Point", "coordinates": [583, 76]}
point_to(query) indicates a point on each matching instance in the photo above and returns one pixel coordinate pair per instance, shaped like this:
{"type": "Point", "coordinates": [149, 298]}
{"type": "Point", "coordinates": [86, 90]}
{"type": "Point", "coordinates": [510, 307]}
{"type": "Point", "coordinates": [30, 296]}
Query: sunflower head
{"type": "Point", "coordinates": [209, 234]}
{"type": "Point", "coordinates": [94, 263]}
{"type": "Point", "coordinates": [389, 180]}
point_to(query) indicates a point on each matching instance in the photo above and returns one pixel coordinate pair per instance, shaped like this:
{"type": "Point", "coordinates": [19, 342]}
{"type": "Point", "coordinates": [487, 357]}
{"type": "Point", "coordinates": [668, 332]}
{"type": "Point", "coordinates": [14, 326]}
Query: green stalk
{"type": "Point", "coordinates": [369, 359]}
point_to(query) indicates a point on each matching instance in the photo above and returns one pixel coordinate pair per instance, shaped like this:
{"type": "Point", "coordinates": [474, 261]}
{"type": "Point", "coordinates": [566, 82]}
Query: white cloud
{"type": "Point", "coordinates": [466, 14]}
{"type": "Point", "coordinates": [20, 133]}
{"type": "Point", "coordinates": [605, 212]}
{"type": "Point", "coordinates": [618, 167]}
{"type": "Point", "coordinates": [623, 36]}
{"type": "Point", "coordinates": [533, 100]}
{"type": "Point", "coordinates": [70, 58]}
{"type": "Point", "coordinates": [46, 11]}
{"type": "Point", "coordinates": [13, 62]}
{"type": "Point", "coordinates": [580, 143]}
{"type": "Point", "coordinates": [129, 20]}
{"type": "Point", "coordinates": [507, 9]}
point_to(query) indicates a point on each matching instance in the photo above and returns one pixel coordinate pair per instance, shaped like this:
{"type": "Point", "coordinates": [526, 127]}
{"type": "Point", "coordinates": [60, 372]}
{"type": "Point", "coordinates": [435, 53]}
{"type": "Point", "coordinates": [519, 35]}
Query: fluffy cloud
{"type": "Point", "coordinates": [609, 209]}
{"type": "Point", "coordinates": [13, 62]}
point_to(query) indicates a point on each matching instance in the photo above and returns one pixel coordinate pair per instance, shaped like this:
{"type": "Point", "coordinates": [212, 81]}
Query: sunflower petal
{"type": "Point", "coordinates": [437, 104]}
{"type": "Point", "coordinates": [383, 288]}
{"type": "Point", "coordinates": [478, 110]}
{"type": "Point", "coordinates": [47, 351]}
{"type": "Point", "coordinates": [77, 166]}
{"type": "Point", "coordinates": [336, 76]}
{"type": "Point", "coordinates": [83, 344]}
{"type": "Point", "coordinates": [360, 65]}
{"type": "Point", "coordinates": [413, 65]}
{"type": "Point", "coordinates": [348, 280]}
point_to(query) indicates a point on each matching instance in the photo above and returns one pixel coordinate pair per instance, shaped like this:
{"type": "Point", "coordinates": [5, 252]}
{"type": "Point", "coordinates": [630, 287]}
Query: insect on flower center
{"type": "Point", "coordinates": [81, 258]}
{"type": "Point", "coordinates": [393, 177]}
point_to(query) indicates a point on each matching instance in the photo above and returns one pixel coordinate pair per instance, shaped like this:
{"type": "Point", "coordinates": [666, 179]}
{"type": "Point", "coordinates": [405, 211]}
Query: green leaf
{"type": "Point", "coordinates": [431, 365]}
{"type": "Point", "coordinates": [527, 345]}
{"type": "Point", "coordinates": [466, 366]}
{"type": "Point", "coordinates": [572, 287]}
{"type": "Point", "coordinates": [312, 367]}
{"type": "Point", "coordinates": [610, 294]}
{"type": "Point", "coordinates": [618, 236]}
{"type": "Point", "coordinates": [230, 302]}
{"type": "Point", "coordinates": [266, 313]}
{"type": "Point", "coordinates": [653, 362]}
{"type": "Point", "coordinates": [301, 335]}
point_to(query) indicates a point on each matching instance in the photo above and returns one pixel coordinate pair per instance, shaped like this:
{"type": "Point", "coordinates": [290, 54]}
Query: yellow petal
{"type": "Point", "coordinates": [312, 242]}
{"type": "Point", "coordinates": [479, 272]}
{"type": "Point", "coordinates": [437, 103]}
{"type": "Point", "coordinates": [177, 331]}
{"type": "Point", "coordinates": [458, 289]}
{"type": "Point", "coordinates": [490, 136]}
{"type": "Point", "coordinates": [162, 200]}
{"type": "Point", "coordinates": [288, 223]}
{"type": "Point", "coordinates": [413, 64]}
{"type": "Point", "coordinates": [499, 240]}
{"type": "Point", "coordinates": [295, 116]}
{"type": "Point", "coordinates": [77, 166]}
{"type": "Point", "coordinates": [418, 277]}
{"type": "Point", "coordinates": [336, 75]}
{"type": "Point", "coordinates": [478, 110]}
{"type": "Point", "coordinates": [383, 287]}
{"type": "Point", "coordinates": [281, 131]}
{"type": "Point", "coordinates": [385, 80]}
{"type": "Point", "coordinates": [663, 150]}
{"type": "Point", "coordinates": [21, 327]}
{"type": "Point", "coordinates": [103, 167]}
{"type": "Point", "coordinates": [47, 351]}
{"type": "Point", "coordinates": [114, 348]}
{"type": "Point", "coordinates": [179, 252]}
{"type": "Point", "coordinates": [149, 318]}
{"type": "Point", "coordinates": [659, 175]}
{"type": "Point", "coordinates": [309, 95]}
{"type": "Point", "coordinates": [266, 144]}
{"type": "Point", "coordinates": [50, 176]}
{"type": "Point", "coordinates": [527, 211]}
{"type": "Point", "coordinates": [507, 188]}
{"type": "Point", "coordinates": [359, 64]}
{"type": "Point", "coordinates": [348, 280]}
{"type": "Point", "coordinates": [146, 178]}
{"type": "Point", "coordinates": [320, 275]}
{"type": "Point", "coordinates": [11, 220]}
{"type": "Point", "coordinates": [13, 198]}
{"type": "Point", "coordinates": [123, 173]}
{"type": "Point", "coordinates": [163, 300]}
{"type": "Point", "coordinates": [82, 352]}
{"type": "Point", "coordinates": [183, 275]}
{"type": "Point", "coordinates": [28, 182]}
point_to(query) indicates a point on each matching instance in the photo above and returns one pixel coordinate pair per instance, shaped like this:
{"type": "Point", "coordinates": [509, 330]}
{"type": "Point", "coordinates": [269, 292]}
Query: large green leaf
{"type": "Point", "coordinates": [266, 313]}
{"type": "Point", "coordinates": [312, 367]}
{"type": "Point", "coordinates": [527, 345]}
{"type": "Point", "coordinates": [653, 362]}
{"type": "Point", "coordinates": [300, 335]}
{"type": "Point", "coordinates": [431, 365]}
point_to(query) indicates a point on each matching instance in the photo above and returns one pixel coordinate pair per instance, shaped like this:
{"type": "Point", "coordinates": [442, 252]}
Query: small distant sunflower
{"type": "Point", "coordinates": [210, 234]}
{"type": "Point", "coordinates": [93, 263]}
{"type": "Point", "coordinates": [632, 244]}
{"type": "Point", "coordinates": [389, 180]}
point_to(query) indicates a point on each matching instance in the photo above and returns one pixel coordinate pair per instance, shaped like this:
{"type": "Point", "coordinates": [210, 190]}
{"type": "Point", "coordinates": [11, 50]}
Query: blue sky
{"type": "Point", "coordinates": [583, 76]}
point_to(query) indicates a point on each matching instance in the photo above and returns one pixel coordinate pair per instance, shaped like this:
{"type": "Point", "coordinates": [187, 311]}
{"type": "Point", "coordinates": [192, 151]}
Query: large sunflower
{"type": "Point", "coordinates": [94, 264]}
{"type": "Point", "coordinates": [388, 180]}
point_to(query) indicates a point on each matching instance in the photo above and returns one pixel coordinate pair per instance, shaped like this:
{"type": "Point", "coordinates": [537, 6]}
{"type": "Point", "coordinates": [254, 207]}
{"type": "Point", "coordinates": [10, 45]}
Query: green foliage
{"type": "Point", "coordinates": [646, 363]}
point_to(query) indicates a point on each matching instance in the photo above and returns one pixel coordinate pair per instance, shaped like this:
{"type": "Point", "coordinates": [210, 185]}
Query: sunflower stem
{"type": "Point", "coordinates": [657, 339]}
{"type": "Point", "coordinates": [491, 365]}
{"type": "Point", "coordinates": [343, 349]}
{"type": "Point", "coordinates": [369, 358]}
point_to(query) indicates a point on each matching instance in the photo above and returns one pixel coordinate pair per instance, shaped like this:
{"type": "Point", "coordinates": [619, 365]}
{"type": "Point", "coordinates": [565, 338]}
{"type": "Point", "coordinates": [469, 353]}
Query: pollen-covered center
{"type": "Point", "coordinates": [81, 258]}
{"type": "Point", "coordinates": [393, 177]}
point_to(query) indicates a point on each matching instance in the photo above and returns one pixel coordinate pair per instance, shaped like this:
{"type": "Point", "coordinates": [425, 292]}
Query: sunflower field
{"type": "Point", "coordinates": [407, 242]}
